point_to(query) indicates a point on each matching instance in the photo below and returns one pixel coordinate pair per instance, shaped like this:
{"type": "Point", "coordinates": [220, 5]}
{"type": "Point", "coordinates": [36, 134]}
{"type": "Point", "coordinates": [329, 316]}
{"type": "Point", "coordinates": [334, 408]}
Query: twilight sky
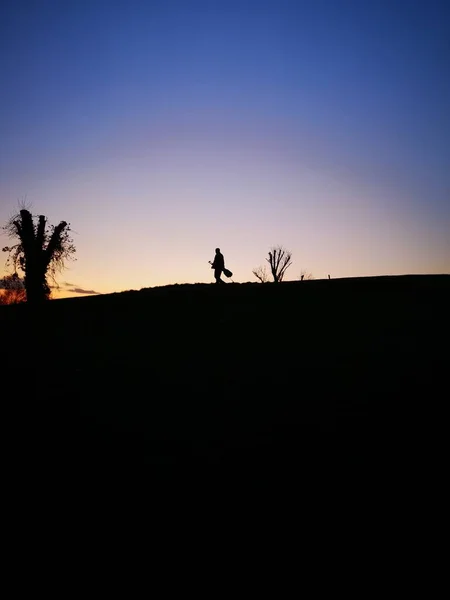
{"type": "Point", "coordinates": [162, 129]}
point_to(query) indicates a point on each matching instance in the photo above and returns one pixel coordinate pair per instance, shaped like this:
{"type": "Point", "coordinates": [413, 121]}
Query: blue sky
{"type": "Point", "coordinates": [161, 130]}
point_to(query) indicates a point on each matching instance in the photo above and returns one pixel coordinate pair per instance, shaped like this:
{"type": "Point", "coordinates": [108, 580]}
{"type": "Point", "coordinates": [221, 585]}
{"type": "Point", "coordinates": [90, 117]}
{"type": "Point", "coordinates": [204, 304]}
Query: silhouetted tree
{"type": "Point", "coordinates": [261, 274]}
{"type": "Point", "coordinates": [39, 253]}
{"type": "Point", "coordinates": [279, 261]}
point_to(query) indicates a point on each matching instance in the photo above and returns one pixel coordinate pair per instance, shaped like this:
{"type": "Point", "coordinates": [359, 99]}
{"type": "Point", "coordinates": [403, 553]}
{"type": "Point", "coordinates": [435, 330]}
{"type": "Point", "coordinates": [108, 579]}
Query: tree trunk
{"type": "Point", "coordinates": [35, 283]}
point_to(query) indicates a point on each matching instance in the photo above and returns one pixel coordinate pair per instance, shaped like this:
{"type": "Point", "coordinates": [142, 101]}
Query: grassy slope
{"type": "Point", "coordinates": [244, 373]}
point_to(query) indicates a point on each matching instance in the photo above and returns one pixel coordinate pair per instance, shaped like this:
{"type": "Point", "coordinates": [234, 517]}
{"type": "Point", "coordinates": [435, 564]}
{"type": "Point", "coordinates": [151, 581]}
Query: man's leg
{"type": "Point", "coordinates": [217, 274]}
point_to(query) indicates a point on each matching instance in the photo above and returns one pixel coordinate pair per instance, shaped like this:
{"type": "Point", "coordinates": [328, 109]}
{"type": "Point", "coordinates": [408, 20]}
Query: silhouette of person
{"type": "Point", "coordinates": [218, 265]}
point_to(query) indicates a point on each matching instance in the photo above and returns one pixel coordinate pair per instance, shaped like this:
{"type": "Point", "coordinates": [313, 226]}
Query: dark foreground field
{"type": "Point", "coordinates": [300, 376]}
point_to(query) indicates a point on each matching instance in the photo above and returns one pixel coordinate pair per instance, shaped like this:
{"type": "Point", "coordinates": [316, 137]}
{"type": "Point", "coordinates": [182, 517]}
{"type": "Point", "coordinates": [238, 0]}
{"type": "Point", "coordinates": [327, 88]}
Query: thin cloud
{"type": "Point", "coordinates": [66, 287]}
{"type": "Point", "coordinates": [73, 288]}
{"type": "Point", "coordinates": [78, 290]}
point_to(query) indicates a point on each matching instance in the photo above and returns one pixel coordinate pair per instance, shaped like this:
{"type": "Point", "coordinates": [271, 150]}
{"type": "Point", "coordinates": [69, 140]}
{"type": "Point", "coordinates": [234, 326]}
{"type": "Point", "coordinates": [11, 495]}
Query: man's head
{"type": "Point", "coordinates": [217, 250]}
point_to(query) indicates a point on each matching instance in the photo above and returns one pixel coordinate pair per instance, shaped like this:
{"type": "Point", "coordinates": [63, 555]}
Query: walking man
{"type": "Point", "coordinates": [218, 265]}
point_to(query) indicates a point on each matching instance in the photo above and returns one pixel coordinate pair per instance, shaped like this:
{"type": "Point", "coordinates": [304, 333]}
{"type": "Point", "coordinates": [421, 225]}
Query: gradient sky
{"type": "Point", "coordinates": [162, 129]}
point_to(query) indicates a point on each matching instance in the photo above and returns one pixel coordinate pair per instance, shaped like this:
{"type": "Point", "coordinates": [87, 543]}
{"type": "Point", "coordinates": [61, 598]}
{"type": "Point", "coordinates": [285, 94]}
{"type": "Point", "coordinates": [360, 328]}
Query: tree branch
{"type": "Point", "coordinates": [54, 243]}
{"type": "Point", "coordinates": [40, 234]}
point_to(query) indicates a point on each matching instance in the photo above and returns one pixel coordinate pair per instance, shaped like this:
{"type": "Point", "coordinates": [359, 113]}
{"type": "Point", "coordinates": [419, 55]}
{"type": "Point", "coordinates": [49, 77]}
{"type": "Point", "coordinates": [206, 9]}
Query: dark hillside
{"type": "Point", "coordinates": [301, 374]}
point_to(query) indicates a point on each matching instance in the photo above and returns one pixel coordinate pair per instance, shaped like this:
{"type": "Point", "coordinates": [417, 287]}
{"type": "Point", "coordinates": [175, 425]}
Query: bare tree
{"type": "Point", "coordinates": [304, 275]}
{"type": "Point", "coordinates": [279, 261]}
{"type": "Point", "coordinates": [38, 253]}
{"type": "Point", "coordinates": [261, 274]}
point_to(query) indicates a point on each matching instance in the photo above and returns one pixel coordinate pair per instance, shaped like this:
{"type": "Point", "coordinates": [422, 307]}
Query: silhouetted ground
{"type": "Point", "coordinates": [304, 376]}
